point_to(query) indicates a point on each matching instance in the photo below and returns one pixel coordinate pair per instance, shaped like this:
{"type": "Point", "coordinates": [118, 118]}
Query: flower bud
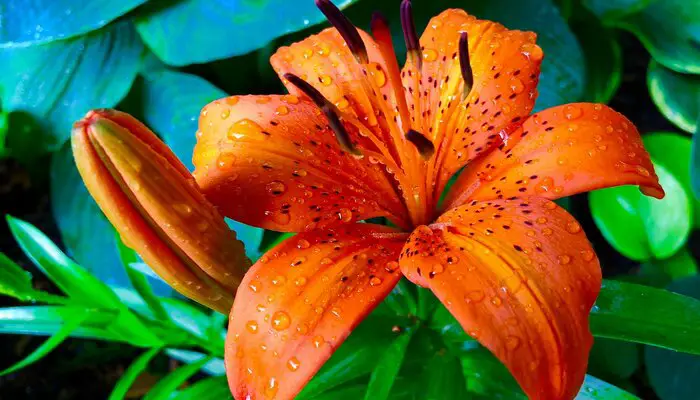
{"type": "Point", "coordinates": [156, 206]}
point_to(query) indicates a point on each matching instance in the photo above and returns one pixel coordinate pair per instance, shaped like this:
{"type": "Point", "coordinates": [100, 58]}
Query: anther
{"type": "Point", "coordinates": [425, 147]}
{"type": "Point", "coordinates": [346, 29]}
{"type": "Point", "coordinates": [409, 34]}
{"type": "Point", "coordinates": [465, 64]}
{"type": "Point", "coordinates": [328, 109]}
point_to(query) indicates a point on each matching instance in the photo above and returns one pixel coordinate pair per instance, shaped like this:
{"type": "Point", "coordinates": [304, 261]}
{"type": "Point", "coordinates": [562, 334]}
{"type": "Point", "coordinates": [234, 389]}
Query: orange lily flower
{"type": "Point", "coordinates": [358, 138]}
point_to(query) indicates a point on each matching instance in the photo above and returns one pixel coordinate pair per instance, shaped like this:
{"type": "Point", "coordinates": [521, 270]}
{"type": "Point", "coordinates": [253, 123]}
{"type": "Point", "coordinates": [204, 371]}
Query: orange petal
{"type": "Point", "coordinates": [273, 162]}
{"type": "Point", "coordinates": [521, 278]}
{"type": "Point", "coordinates": [153, 202]}
{"type": "Point", "coordinates": [300, 301]}
{"type": "Point", "coordinates": [559, 152]}
{"type": "Point", "coordinates": [505, 67]}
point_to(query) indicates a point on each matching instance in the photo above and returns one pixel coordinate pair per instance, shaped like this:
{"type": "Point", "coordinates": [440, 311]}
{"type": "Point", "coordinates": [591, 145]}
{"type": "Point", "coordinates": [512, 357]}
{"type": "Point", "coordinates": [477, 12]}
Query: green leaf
{"type": "Point", "coordinates": [673, 375]}
{"type": "Point", "coordinates": [16, 282]}
{"type": "Point", "coordinates": [610, 10]}
{"type": "Point", "coordinates": [443, 378]}
{"type": "Point", "coordinates": [669, 30]}
{"type": "Point", "coordinates": [196, 31]}
{"type": "Point", "coordinates": [402, 300]}
{"type": "Point", "coordinates": [215, 366]}
{"type": "Point", "coordinates": [596, 389]}
{"type": "Point", "coordinates": [673, 152]}
{"type": "Point", "coordinates": [215, 388]}
{"type": "Point", "coordinates": [29, 22]}
{"type": "Point", "coordinates": [448, 327]}
{"type": "Point", "coordinates": [139, 281]}
{"type": "Point", "coordinates": [695, 169]}
{"type": "Point", "coordinates": [129, 377]}
{"type": "Point", "coordinates": [641, 314]}
{"type": "Point", "coordinates": [676, 95]}
{"type": "Point", "coordinates": [4, 126]}
{"type": "Point", "coordinates": [171, 102]}
{"type": "Point", "coordinates": [487, 377]}
{"type": "Point", "coordinates": [47, 320]}
{"type": "Point", "coordinates": [659, 273]}
{"type": "Point", "coordinates": [70, 323]}
{"type": "Point", "coordinates": [387, 369]}
{"type": "Point", "coordinates": [603, 57]}
{"type": "Point", "coordinates": [167, 385]}
{"type": "Point", "coordinates": [57, 83]}
{"type": "Point", "coordinates": [613, 359]}
{"type": "Point", "coordinates": [350, 392]}
{"type": "Point", "coordinates": [641, 227]}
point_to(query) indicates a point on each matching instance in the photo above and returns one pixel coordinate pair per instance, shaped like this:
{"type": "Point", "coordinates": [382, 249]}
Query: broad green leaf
{"type": "Point", "coordinates": [129, 377]}
{"type": "Point", "coordinates": [387, 369]}
{"type": "Point", "coordinates": [167, 385]}
{"type": "Point", "coordinates": [443, 378]}
{"type": "Point", "coordinates": [670, 30]}
{"type": "Point", "coordinates": [215, 366]}
{"type": "Point", "coordinates": [642, 314]}
{"type": "Point", "coordinates": [674, 375]}
{"type": "Point", "coordinates": [563, 70]}
{"type": "Point", "coordinates": [215, 388]}
{"type": "Point", "coordinates": [676, 95]}
{"type": "Point", "coordinates": [70, 323]}
{"type": "Point", "coordinates": [47, 320]}
{"type": "Point", "coordinates": [29, 22]}
{"type": "Point", "coordinates": [350, 392]}
{"type": "Point", "coordinates": [139, 281]}
{"type": "Point", "coordinates": [613, 359]}
{"type": "Point", "coordinates": [641, 227]}
{"type": "Point", "coordinates": [402, 300]}
{"type": "Point", "coordinates": [610, 10]}
{"type": "Point", "coordinates": [596, 389]}
{"type": "Point", "coordinates": [197, 31]}
{"type": "Point", "coordinates": [4, 126]}
{"type": "Point", "coordinates": [171, 102]}
{"type": "Point", "coordinates": [673, 152]}
{"type": "Point", "coordinates": [603, 57]}
{"type": "Point", "coordinates": [16, 282]}
{"type": "Point", "coordinates": [659, 273]}
{"type": "Point", "coordinates": [443, 322]}
{"type": "Point", "coordinates": [695, 167]}
{"type": "Point", "coordinates": [487, 377]}
{"type": "Point", "coordinates": [57, 83]}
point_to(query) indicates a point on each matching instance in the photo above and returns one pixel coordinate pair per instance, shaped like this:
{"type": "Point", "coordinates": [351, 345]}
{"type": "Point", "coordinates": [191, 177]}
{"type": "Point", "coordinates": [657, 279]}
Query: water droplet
{"type": "Point", "coordinates": [290, 99]}
{"type": "Point", "coordinates": [300, 281]}
{"type": "Point", "coordinates": [547, 231]}
{"type": "Point", "coordinates": [516, 85]}
{"type": "Point", "coordinates": [541, 220]}
{"type": "Point", "coordinates": [182, 209]}
{"type": "Point", "coordinates": [255, 286]}
{"type": "Point", "coordinates": [318, 341]}
{"type": "Point", "coordinates": [563, 259]}
{"type": "Point", "coordinates": [303, 244]}
{"type": "Point", "coordinates": [225, 161]}
{"type": "Point", "coordinates": [429, 55]}
{"type": "Point", "coordinates": [281, 320]}
{"type": "Point", "coordinates": [252, 326]}
{"type": "Point", "coordinates": [532, 51]}
{"type": "Point", "coordinates": [271, 388]}
{"type": "Point", "coordinates": [342, 104]}
{"type": "Point", "coordinates": [293, 364]}
{"type": "Point", "coordinates": [225, 113]}
{"type": "Point", "coordinates": [474, 296]}
{"type": "Point", "coordinates": [326, 261]}
{"type": "Point", "coordinates": [496, 301]}
{"type": "Point", "coordinates": [263, 99]}
{"type": "Point", "coordinates": [391, 267]}
{"type": "Point", "coordinates": [243, 128]}
{"type": "Point", "coordinates": [232, 101]}
{"type": "Point", "coordinates": [279, 280]}
{"type": "Point", "coordinates": [550, 205]}
{"type": "Point", "coordinates": [437, 269]}
{"type": "Point", "coordinates": [345, 215]}
{"type": "Point", "coordinates": [377, 73]}
{"type": "Point", "coordinates": [642, 171]}
{"type": "Point", "coordinates": [573, 227]}
{"type": "Point", "coordinates": [298, 261]}
{"type": "Point", "coordinates": [374, 281]}
{"type": "Point", "coordinates": [326, 80]}
{"type": "Point", "coordinates": [512, 343]}
{"type": "Point", "coordinates": [587, 255]}
{"type": "Point", "coordinates": [282, 110]}
{"type": "Point", "coordinates": [276, 188]}
{"type": "Point", "coordinates": [572, 111]}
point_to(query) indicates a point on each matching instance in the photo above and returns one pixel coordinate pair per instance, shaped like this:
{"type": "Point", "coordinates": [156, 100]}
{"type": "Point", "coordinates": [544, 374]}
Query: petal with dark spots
{"type": "Point", "coordinates": [559, 152]}
{"type": "Point", "coordinates": [300, 301]}
{"type": "Point", "coordinates": [521, 277]}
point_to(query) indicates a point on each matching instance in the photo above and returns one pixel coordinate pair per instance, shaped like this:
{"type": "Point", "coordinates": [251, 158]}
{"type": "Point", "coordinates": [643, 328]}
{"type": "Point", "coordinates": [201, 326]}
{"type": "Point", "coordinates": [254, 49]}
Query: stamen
{"type": "Point", "coordinates": [330, 111]}
{"type": "Point", "coordinates": [465, 64]}
{"type": "Point", "coordinates": [425, 147]}
{"type": "Point", "coordinates": [409, 34]}
{"type": "Point", "coordinates": [346, 29]}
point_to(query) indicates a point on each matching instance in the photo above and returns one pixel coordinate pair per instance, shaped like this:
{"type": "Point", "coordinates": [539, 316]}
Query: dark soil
{"type": "Point", "coordinates": [83, 369]}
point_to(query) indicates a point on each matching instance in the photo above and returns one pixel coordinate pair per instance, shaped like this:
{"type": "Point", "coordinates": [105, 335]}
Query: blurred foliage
{"type": "Point", "coordinates": [163, 60]}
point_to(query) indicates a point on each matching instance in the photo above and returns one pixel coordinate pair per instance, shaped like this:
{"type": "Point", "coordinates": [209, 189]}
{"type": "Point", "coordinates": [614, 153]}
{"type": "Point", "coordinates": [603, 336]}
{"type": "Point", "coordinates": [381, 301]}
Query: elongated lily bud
{"type": "Point", "coordinates": [155, 205]}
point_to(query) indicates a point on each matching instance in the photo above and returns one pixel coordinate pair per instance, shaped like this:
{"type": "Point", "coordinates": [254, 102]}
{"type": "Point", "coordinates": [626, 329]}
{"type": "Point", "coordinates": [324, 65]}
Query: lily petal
{"type": "Point", "coordinates": [153, 202]}
{"type": "Point", "coordinates": [521, 278]}
{"type": "Point", "coordinates": [300, 301]}
{"type": "Point", "coordinates": [505, 66]}
{"type": "Point", "coordinates": [273, 162]}
{"type": "Point", "coordinates": [559, 152]}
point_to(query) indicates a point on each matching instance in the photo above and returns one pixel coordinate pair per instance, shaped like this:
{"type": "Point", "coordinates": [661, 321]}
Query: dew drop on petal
{"type": "Point", "coordinates": [276, 188]}
{"type": "Point", "coordinates": [345, 215]}
{"type": "Point", "coordinates": [281, 320]}
{"type": "Point", "coordinates": [573, 227]}
{"type": "Point", "coordinates": [255, 286]}
{"type": "Point", "coordinates": [303, 244]}
{"type": "Point", "coordinates": [293, 364]}
{"type": "Point", "coordinates": [512, 343]}
{"type": "Point", "coordinates": [429, 55]}
{"type": "Point", "coordinates": [572, 112]}
{"type": "Point", "coordinates": [563, 259]}
{"type": "Point", "coordinates": [374, 281]}
{"type": "Point", "coordinates": [474, 296]}
{"type": "Point", "coordinates": [251, 326]}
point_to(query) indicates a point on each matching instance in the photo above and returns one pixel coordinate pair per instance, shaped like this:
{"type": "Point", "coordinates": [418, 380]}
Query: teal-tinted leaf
{"type": "Point", "coordinates": [167, 385]}
{"type": "Point", "coordinates": [596, 389]}
{"type": "Point", "coordinates": [641, 314]}
{"type": "Point", "coordinates": [215, 366]}
{"type": "Point", "coordinates": [29, 22]}
{"type": "Point", "coordinates": [641, 227]}
{"type": "Point", "coordinates": [670, 30]}
{"type": "Point", "coordinates": [70, 323]}
{"type": "Point", "coordinates": [695, 168]}
{"type": "Point", "coordinates": [388, 366]}
{"type": "Point", "coordinates": [58, 82]}
{"type": "Point", "coordinates": [676, 95]}
{"type": "Point", "coordinates": [4, 126]}
{"type": "Point", "coordinates": [47, 320]}
{"type": "Point", "coordinates": [140, 281]}
{"type": "Point", "coordinates": [673, 152]}
{"type": "Point", "coordinates": [659, 273]}
{"type": "Point", "coordinates": [197, 31]}
{"type": "Point", "coordinates": [613, 359]}
{"type": "Point", "coordinates": [215, 388]}
{"type": "Point", "coordinates": [129, 377]}
{"type": "Point", "coordinates": [673, 375]}
{"type": "Point", "coordinates": [16, 282]}
{"type": "Point", "coordinates": [610, 10]}
{"type": "Point", "coordinates": [443, 378]}
{"type": "Point", "coordinates": [603, 57]}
